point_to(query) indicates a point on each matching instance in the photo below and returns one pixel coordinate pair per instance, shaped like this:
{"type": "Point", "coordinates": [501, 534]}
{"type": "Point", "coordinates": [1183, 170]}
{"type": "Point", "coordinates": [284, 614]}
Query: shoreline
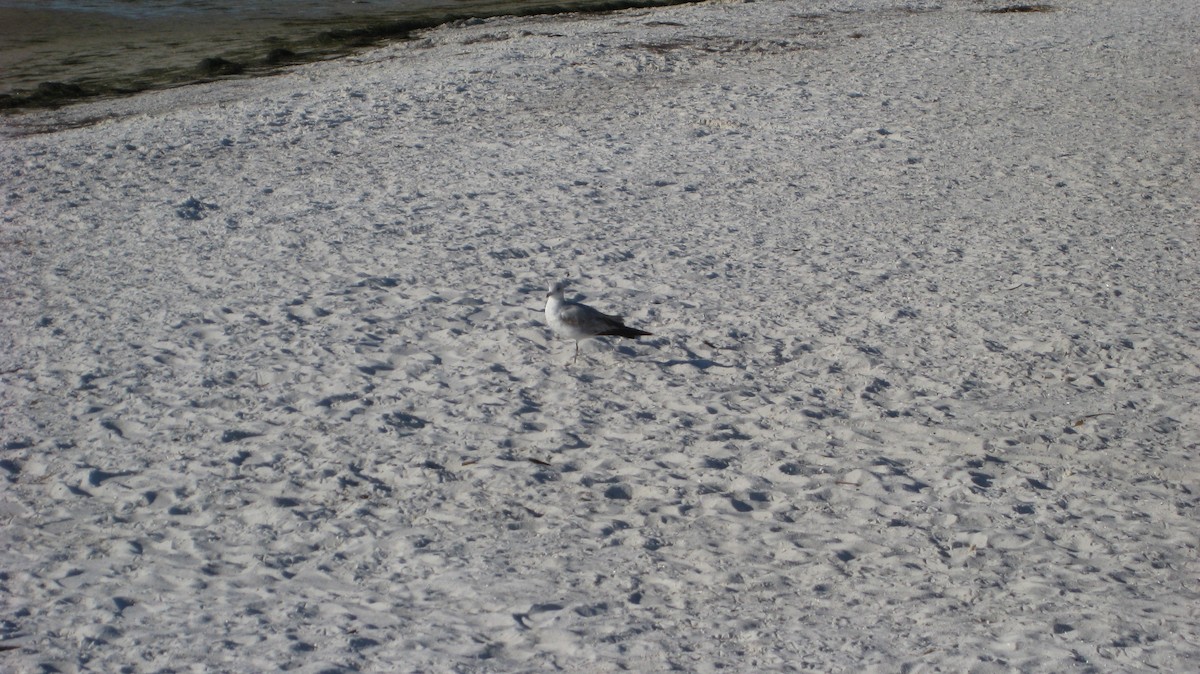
{"type": "Point", "coordinates": [224, 49]}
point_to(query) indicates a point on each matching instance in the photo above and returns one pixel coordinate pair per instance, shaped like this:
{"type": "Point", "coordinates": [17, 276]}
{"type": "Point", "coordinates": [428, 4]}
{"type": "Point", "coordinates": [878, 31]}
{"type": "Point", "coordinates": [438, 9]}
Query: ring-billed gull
{"type": "Point", "coordinates": [576, 321]}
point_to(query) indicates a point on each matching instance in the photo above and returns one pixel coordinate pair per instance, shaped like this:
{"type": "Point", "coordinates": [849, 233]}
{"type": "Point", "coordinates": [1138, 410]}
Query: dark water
{"type": "Point", "coordinates": [58, 51]}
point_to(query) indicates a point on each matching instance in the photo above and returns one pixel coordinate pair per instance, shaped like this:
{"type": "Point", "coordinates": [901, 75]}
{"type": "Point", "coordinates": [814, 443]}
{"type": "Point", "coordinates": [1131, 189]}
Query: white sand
{"type": "Point", "coordinates": [277, 391]}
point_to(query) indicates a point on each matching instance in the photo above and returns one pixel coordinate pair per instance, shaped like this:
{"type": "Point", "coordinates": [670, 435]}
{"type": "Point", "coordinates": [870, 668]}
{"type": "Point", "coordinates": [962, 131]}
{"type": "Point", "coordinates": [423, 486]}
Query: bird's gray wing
{"type": "Point", "coordinates": [583, 317]}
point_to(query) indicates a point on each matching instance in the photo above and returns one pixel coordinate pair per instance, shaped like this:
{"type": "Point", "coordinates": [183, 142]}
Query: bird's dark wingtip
{"type": "Point", "coordinates": [626, 332]}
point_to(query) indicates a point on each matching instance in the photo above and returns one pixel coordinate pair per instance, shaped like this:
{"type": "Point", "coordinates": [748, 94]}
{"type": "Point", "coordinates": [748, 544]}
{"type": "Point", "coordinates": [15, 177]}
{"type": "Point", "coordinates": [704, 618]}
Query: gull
{"type": "Point", "coordinates": [576, 321]}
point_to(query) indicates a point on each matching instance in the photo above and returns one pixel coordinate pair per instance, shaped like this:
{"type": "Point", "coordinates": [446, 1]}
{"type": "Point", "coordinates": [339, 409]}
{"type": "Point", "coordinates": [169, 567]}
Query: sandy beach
{"type": "Point", "coordinates": [277, 392]}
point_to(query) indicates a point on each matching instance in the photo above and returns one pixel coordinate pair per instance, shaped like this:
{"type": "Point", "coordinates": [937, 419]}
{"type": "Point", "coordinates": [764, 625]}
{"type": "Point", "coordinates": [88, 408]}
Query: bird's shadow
{"type": "Point", "coordinates": [694, 359]}
{"type": "Point", "coordinates": [698, 363]}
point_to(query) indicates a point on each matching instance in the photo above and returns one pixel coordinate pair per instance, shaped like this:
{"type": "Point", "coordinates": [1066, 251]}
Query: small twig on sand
{"type": "Point", "coordinates": [1080, 420]}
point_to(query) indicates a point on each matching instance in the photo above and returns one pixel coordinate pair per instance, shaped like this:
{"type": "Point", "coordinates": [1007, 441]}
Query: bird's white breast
{"type": "Point", "coordinates": [555, 309]}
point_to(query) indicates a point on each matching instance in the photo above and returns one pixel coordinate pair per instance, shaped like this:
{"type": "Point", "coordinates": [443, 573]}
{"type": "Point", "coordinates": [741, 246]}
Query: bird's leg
{"type": "Point", "coordinates": [576, 359]}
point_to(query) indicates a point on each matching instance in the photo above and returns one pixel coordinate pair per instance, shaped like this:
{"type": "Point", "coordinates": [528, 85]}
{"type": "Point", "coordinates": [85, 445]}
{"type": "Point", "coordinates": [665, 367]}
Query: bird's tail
{"type": "Point", "coordinates": [626, 332]}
